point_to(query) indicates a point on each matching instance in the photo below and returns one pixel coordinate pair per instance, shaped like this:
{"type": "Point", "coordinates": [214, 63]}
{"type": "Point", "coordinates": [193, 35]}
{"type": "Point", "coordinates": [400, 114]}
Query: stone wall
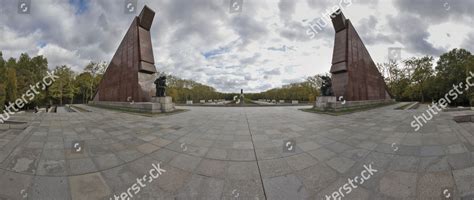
{"type": "Point", "coordinates": [145, 107]}
{"type": "Point", "coordinates": [157, 105]}
{"type": "Point", "coordinates": [330, 104]}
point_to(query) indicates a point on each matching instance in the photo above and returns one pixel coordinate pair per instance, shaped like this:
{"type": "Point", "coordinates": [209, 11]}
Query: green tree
{"type": "Point", "coordinates": [453, 68]}
{"type": "Point", "coordinates": [470, 72]}
{"type": "Point", "coordinates": [64, 85]}
{"type": "Point", "coordinates": [96, 70]}
{"type": "Point", "coordinates": [2, 97]}
{"type": "Point", "coordinates": [2, 82]}
{"type": "Point", "coordinates": [82, 83]}
{"type": "Point", "coordinates": [30, 71]}
{"type": "Point", "coordinates": [2, 69]}
{"type": "Point", "coordinates": [314, 82]}
{"type": "Point", "coordinates": [422, 72]}
{"type": "Point", "coordinates": [10, 81]}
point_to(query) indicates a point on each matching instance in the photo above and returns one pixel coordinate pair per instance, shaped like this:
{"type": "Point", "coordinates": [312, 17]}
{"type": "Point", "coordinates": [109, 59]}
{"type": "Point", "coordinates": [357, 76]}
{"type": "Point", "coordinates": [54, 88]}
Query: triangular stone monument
{"type": "Point", "coordinates": [354, 74]}
{"type": "Point", "coordinates": [128, 82]}
{"type": "Point", "coordinates": [130, 75]}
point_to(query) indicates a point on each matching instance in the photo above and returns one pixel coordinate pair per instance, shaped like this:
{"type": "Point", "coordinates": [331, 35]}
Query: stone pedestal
{"type": "Point", "coordinates": [322, 102]}
{"type": "Point", "coordinates": [157, 105]}
{"type": "Point", "coordinates": [330, 103]}
{"type": "Point", "coordinates": [166, 103]}
{"type": "Point", "coordinates": [13, 125]}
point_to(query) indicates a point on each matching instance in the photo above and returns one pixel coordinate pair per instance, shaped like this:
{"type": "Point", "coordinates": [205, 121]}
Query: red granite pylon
{"type": "Point", "coordinates": [130, 74]}
{"type": "Point", "coordinates": [354, 74]}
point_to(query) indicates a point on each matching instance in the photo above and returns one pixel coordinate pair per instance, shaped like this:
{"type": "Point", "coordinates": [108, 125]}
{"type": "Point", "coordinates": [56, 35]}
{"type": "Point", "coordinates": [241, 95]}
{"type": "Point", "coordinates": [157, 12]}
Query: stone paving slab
{"type": "Point", "coordinates": [237, 153]}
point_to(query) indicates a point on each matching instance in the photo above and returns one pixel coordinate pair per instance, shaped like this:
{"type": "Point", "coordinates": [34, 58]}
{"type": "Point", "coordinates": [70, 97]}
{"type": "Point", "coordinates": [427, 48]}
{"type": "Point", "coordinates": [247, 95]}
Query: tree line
{"type": "Point", "coordinates": [182, 90]}
{"type": "Point", "coordinates": [18, 75]}
{"type": "Point", "coordinates": [305, 91]}
{"type": "Point", "coordinates": [415, 79]}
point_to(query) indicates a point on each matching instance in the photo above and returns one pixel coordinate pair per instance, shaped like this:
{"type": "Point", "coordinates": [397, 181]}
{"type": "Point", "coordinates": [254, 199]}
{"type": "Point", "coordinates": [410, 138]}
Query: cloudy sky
{"type": "Point", "coordinates": [265, 45]}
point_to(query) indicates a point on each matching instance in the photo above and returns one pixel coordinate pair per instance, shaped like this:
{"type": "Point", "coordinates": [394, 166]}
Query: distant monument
{"type": "Point", "coordinates": [128, 80]}
{"type": "Point", "coordinates": [356, 80]}
{"type": "Point", "coordinates": [354, 74]}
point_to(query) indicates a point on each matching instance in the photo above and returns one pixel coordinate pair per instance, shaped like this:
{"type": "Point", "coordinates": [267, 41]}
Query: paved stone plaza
{"type": "Point", "coordinates": [236, 153]}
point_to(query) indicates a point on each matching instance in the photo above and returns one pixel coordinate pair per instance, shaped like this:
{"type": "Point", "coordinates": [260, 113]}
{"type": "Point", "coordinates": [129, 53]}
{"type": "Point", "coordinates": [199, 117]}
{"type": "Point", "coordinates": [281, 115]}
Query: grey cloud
{"type": "Point", "coordinates": [275, 71]}
{"type": "Point", "coordinates": [371, 3]}
{"type": "Point", "coordinates": [412, 32]}
{"type": "Point", "coordinates": [287, 8]}
{"type": "Point", "coordinates": [468, 43]}
{"type": "Point", "coordinates": [367, 30]}
{"type": "Point", "coordinates": [195, 18]}
{"type": "Point", "coordinates": [263, 87]}
{"type": "Point", "coordinates": [250, 60]}
{"type": "Point", "coordinates": [295, 31]}
{"type": "Point", "coordinates": [183, 29]}
{"type": "Point", "coordinates": [320, 4]}
{"type": "Point", "coordinates": [227, 84]}
{"type": "Point", "coordinates": [436, 11]}
{"type": "Point", "coordinates": [282, 48]}
{"type": "Point", "coordinates": [249, 29]}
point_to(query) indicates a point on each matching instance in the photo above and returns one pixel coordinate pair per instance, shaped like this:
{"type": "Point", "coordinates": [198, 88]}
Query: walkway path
{"type": "Point", "coordinates": [237, 153]}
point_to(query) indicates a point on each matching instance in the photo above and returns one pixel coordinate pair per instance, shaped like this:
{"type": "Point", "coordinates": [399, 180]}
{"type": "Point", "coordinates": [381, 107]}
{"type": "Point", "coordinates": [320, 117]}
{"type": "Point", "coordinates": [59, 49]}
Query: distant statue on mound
{"type": "Point", "coordinates": [160, 83]}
